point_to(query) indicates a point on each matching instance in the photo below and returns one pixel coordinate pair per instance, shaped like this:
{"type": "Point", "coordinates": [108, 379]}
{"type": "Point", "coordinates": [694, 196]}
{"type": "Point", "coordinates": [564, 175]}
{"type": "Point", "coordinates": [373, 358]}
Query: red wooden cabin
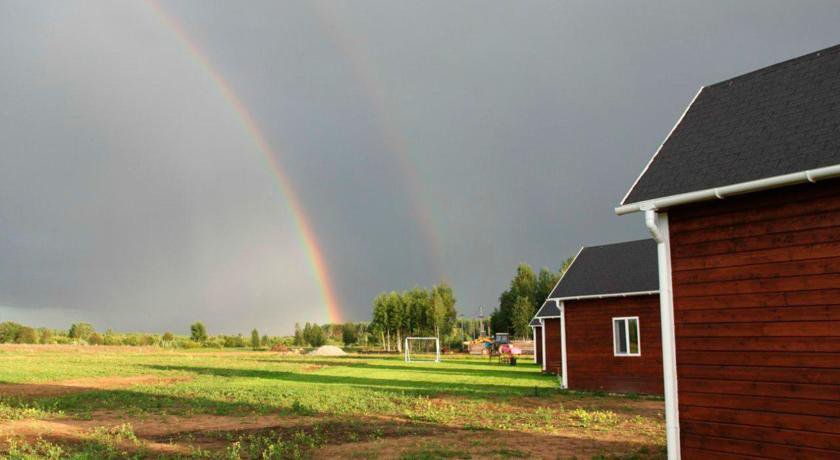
{"type": "Point", "coordinates": [536, 328]}
{"type": "Point", "coordinates": [743, 198]}
{"type": "Point", "coordinates": [601, 321]}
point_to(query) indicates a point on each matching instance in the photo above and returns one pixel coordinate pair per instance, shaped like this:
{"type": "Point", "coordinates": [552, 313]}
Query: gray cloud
{"type": "Point", "coordinates": [131, 195]}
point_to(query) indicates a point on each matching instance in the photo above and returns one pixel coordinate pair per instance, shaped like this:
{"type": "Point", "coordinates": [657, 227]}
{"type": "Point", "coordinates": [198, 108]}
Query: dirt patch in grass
{"type": "Point", "coordinates": [489, 444]}
{"type": "Point", "coordinates": [65, 387]}
{"type": "Point", "coordinates": [183, 435]}
{"type": "Point", "coordinates": [649, 407]}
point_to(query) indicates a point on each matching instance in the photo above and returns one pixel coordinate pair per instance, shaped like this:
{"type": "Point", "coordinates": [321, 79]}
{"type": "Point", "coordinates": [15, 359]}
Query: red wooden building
{"type": "Point", "coordinates": [536, 327]}
{"type": "Point", "coordinates": [601, 321]}
{"type": "Point", "coordinates": [743, 198]}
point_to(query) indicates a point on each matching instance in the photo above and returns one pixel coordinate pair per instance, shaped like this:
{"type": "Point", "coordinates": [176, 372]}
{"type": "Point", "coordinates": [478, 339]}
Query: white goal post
{"type": "Point", "coordinates": [409, 340]}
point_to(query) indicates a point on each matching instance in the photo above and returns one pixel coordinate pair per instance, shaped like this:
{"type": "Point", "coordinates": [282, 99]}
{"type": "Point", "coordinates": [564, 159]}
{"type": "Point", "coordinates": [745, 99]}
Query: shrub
{"type": "Point", "coordinates": [95, 339]}
{"type": "Point", "coordinates": [46, 335]}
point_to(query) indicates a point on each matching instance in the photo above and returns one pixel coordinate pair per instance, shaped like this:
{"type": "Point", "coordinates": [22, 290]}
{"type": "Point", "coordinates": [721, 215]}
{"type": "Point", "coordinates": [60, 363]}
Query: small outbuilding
{"type": "Point", "coordinates": [743, 198]}
{"type": "Point", "coordinates": [600, 324]}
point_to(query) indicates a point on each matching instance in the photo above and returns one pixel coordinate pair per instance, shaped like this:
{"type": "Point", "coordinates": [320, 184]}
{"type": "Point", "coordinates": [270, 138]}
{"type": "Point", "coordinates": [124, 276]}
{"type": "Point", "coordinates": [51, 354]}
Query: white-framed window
{"type": "Point", "coordinates": [626, 341]}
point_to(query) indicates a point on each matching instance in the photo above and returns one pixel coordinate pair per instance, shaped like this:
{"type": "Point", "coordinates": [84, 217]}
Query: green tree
{"type": "Point", "coordinates": [255, 339]}
{"type": "Point", "coordinates": [167, 337]}
{"type": "Point", "coordinates": [395, 306]}
{"type": "Point", "coordinates": [9, 331]}
{"type": "Point", "coordinates": [444, 308]}
{"type": "Point", "coordinates": [81, 331]}
{"type": "Point", "coordinates": [198, 333]}
{"type": "Point", "coordinates": [27, 335]}
{"type": "Point", "coordinates": [523, 284]}
{"type": "Point", "coordinates": [314, 335]}
{"type": "Point", "coordinates": [522, 313]}
{"type": "Point", "coordinates": [264, 341]}
{"type": "Point", "coordinates": [545, 283]}
{"type": "Point", "coordinates": [348, 334]}
{"type": "Point", "coordinates": [298, 340]}
{"type": "Point", "coordinates": [379, 322]}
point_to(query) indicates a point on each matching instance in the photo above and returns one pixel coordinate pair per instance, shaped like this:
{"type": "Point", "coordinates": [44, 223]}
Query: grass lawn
{"type": "Point", "coordinates": [99, 402]}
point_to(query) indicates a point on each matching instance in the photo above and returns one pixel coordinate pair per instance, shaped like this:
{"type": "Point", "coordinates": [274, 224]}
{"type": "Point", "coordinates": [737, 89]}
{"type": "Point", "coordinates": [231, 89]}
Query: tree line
{"type": "Point", "coordinates": [520, 302]}
{"type": "Point", "coordinates": [416, 312]}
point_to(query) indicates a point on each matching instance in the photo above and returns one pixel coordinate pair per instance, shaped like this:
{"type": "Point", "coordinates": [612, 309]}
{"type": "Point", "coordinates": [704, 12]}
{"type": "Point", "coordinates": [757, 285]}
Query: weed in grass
{"type": "Point", "coordinates": [20, 449]}
{"type": "Point", "coordinates": [600, 419]}
{"type": "Point", "coordinates": [274, 446]}
{"type": "Point", "coordinates": [17, 410]}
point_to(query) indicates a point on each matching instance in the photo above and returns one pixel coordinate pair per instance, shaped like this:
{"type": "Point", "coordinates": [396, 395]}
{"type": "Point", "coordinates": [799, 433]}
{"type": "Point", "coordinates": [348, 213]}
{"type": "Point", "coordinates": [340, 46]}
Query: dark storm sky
{"type": "Point", "coordinates": [425, 140]}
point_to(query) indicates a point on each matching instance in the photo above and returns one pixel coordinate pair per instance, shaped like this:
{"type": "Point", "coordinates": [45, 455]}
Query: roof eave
{"type": "Point", "coordinates": [801, 177]}
{"type": "Point", "coordinates": [605, 296]}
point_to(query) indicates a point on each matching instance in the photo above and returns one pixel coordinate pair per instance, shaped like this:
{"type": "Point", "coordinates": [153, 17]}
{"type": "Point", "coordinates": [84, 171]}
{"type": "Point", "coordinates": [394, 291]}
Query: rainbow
{"type": "Point", "coordinates": [307, 235]}
{"type": "Point", "coordinates": [362, 67]}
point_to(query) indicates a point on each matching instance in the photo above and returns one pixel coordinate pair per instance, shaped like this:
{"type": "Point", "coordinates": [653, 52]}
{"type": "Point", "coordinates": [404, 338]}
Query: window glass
{"type": "Point", "coordinates": [633, 326]}
{"type": "Point", "coordinates": [626, 336]}
{"type": "Point", "coordinates": [620, 337]}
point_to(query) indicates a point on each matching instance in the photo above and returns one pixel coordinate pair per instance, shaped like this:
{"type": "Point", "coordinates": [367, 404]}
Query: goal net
{"type": "Point", "coordinates": [422, 349]}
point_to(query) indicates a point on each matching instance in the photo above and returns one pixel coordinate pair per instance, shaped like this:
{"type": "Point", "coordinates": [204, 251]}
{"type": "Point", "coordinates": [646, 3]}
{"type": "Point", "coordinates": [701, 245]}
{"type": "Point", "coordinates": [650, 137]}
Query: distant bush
{"type": "Point", "coordinates": [95, 339]}
{"type": "Point", "coordinates": [46, 335]}
{"type": "Point", "coordinates": [234, 341]}
{"type": "Point", "coordinates": [80, 331]}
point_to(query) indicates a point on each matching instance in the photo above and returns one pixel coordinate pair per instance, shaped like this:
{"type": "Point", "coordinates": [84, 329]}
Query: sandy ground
{"type": "Point", "coordinates": [63, 387]}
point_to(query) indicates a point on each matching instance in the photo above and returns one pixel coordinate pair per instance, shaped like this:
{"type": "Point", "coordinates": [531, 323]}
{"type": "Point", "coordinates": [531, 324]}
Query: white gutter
{"type": "Point", "coordinates": [811, 175]}
{"type": "Point", "coordinates": [563, 366]}
{"type": "Point", "coordinates": [658, 226]}
{"type": "Point", "coordinates": [604, 296]}
{"type": "Point", "coordinates": [544, 351]}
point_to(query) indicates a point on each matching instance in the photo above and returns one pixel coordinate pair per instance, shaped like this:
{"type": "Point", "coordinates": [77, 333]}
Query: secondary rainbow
{"type": "Point", "coordinates": [307, 235]}
{"type": "Point", "coordinates": [363, 69]}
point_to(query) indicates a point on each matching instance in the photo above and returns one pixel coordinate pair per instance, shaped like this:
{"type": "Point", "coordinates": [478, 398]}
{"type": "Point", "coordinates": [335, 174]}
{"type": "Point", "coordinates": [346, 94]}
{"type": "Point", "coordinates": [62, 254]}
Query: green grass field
{"type": "Point", "coordinates": [99, 402]}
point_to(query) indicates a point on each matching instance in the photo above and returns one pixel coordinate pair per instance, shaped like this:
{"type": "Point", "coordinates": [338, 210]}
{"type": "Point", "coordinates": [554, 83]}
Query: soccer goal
{"type": "Point", "coordinates": [422, 349]}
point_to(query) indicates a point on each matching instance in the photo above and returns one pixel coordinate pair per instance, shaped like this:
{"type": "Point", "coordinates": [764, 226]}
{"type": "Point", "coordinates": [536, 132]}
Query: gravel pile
{"type": "Point", "coordinates": [328, 350]}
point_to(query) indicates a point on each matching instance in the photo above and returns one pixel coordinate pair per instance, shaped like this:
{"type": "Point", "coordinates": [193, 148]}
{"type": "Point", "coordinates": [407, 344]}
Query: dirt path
{"type": "Point", "coordinates": [63, 387]}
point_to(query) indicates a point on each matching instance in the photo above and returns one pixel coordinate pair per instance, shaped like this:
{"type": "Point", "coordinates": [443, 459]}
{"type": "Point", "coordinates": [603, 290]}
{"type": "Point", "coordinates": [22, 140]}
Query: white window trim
{"type": "Point", "coordinates": [627, 336]}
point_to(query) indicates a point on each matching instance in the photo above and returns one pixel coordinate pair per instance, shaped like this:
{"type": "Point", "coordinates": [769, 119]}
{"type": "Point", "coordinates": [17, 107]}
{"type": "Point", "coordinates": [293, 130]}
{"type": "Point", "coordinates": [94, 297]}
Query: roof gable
{"type": "Point", "coordinates": [549, 308]}
{"type": "Point", "coordinates": [620, 268]}
{"type": "Point", "coordinates": [778, 120]}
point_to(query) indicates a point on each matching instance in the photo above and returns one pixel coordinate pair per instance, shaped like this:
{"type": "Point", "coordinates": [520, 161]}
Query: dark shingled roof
{"type": "Point", "coordinates": [778, 120]}
{"type": "Point", "coordinates": [535, 322]}
{"type": "Point", "coordinates": [549, 308]}
{"type": "Point", "coordinates": [611, 269]}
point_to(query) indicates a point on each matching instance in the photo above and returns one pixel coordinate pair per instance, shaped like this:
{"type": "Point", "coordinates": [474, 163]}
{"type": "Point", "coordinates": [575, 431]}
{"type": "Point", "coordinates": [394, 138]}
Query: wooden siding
{"type": "Point", "coordinates": [592, 364]}
{"type": "Point", "coordinates": [538, 344]}
{"type": "Point", "coordinates": [553, 346]}
{"type": "Point", "coordinates": [757, 319]}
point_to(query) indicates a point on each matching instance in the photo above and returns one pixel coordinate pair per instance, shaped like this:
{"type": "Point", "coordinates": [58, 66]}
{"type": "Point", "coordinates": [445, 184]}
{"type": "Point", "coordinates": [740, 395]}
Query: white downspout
{"type": "Point", "coordinates": [544, 351]}
{"type": "Point", "coordinates": [563, 345]}
{"type": "Point", "coordinates": [658, 226]}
